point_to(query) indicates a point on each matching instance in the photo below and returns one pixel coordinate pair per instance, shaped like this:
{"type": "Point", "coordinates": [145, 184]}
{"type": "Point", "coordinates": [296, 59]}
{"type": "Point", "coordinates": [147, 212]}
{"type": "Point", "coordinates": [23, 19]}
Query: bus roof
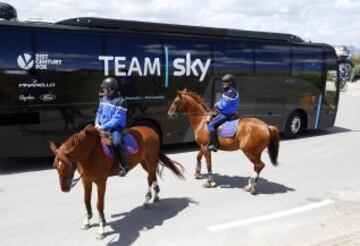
{"type": "Point", "coordinates": [126, 25]}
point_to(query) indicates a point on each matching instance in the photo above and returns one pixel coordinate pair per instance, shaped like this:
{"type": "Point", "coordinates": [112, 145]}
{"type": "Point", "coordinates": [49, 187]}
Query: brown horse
{"type": "Point", "coordinates": [83, 152]}
{"type": "Point", "coordinates": [252, 136]}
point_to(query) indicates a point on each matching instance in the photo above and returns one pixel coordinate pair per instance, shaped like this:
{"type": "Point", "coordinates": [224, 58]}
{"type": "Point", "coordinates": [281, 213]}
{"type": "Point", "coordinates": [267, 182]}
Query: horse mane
{"type": "Point", "coordinates": [74, 140]}
{"type": "Point", "coordinates": [198, 98]}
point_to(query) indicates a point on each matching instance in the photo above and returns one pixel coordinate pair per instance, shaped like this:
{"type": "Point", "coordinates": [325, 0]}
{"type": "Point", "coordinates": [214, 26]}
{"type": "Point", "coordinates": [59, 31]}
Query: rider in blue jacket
{"type": "Point", "coordinates": [226, 108]}
{"type": "Point", "coordinates": [111, 116]}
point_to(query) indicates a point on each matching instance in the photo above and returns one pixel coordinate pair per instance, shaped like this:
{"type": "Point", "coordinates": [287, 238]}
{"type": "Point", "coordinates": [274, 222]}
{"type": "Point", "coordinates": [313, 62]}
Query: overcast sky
{"type": "Point", "coordinates": [327, 21]}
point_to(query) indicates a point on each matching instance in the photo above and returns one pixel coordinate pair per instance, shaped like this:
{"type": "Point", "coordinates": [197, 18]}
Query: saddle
{"type": "Point", "coordinates": [227, 129]}
{"type": "Point", "coordinates": [128, 142]}
{"type": "Point", "coordinates": [212, 114]}
{"type": "Point", "coordinates": [106, 138]}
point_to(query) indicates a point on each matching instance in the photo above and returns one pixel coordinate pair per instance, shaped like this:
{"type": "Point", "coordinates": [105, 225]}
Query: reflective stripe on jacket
{"type": "Point", "coordinates": [111, 114]}
{"type": "Point", "coordinates": [229, 102]}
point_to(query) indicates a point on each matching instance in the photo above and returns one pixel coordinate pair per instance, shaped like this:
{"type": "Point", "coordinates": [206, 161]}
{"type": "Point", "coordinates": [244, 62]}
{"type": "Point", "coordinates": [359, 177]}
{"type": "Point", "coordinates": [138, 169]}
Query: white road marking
{"type": "Point", "coordinates": [267, 217]}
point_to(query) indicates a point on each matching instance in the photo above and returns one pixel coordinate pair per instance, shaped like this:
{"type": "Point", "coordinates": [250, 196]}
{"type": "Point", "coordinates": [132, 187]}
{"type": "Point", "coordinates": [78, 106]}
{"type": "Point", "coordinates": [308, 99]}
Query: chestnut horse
{"type": "Point", "coordinates": [252, 136]}
{"type": "Point", "coordinates": [83, 151]}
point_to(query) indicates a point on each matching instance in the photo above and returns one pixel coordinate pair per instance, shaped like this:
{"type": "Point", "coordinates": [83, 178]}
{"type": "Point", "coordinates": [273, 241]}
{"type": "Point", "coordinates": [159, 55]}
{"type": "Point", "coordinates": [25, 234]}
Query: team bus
{"type": "Point", "coordinates": [50, 75]}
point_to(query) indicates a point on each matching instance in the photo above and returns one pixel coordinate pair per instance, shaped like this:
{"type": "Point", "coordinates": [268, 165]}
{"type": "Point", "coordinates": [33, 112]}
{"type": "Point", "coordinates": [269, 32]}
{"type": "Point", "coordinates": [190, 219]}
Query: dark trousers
{"type": "Point", "coordinates": [217, 121]}
{"type": "Point", "coordinates": [117, 136]}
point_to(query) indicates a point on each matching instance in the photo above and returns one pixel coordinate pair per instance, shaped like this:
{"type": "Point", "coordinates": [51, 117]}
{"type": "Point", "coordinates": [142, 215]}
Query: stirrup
{"type": "Point", "coordinates": [212, 148]}
{"type": "Point", "coordinates": [123, 171]}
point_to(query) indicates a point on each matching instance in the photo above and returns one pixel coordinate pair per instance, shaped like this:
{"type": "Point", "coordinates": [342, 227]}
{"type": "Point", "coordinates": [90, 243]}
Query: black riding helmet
{"type": "Point", "coordinates": [228, 78]}
{"type": "Point", "coordinates": [110, 83]}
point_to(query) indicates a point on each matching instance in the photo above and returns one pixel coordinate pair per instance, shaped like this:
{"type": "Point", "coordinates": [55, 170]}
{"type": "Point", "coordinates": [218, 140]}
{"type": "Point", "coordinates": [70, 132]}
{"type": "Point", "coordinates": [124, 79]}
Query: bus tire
{"type": "Point", "coordinates": [295, 124]}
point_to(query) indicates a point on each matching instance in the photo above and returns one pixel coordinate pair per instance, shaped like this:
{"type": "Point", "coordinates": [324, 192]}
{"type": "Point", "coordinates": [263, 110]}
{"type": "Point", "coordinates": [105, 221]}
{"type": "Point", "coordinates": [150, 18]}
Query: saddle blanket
{"type": "Point", "coordinates": [228, 129]}
{"type": "Point", "coordinates": [129, 143]}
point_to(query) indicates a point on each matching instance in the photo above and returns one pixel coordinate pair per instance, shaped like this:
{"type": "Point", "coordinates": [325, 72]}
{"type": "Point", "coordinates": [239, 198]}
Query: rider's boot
{"type": "Point", "coordinates": [214, 142]}
{"type": "Point", "coordinates": [123, 164]}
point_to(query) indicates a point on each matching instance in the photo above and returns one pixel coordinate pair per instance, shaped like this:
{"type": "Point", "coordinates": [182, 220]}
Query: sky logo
{"type": "Point", "coordinates": [180, 66]}
{"type": "Point", "coordinates": [25, 61]}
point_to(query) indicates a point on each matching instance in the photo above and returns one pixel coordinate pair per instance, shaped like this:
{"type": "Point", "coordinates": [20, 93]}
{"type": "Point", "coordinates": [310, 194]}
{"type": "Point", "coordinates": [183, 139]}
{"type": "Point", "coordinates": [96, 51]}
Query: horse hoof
{"type": "Point", "coordinates": [157, 199]}
{"type": "Point", "coordinates": [250, 189]}
{"type": "Point", "coordinates": [198, 176]}
{"type": "Point", "coordinates": [85, 227]}
{"type": "Point", "coordinates": [208, 184]}
{"type": "Point", "coordinates": [146, 206]}
{"type": "Point", "coordinates": [247, 188]}
{"type": "Point", "coordinates": [100, 236]}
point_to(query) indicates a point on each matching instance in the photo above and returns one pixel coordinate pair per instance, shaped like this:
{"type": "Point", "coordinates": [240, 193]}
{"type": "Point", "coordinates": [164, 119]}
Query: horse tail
{"type": "Point", "coordinates": [174, 166]}
{"type": "Point", "coordinates": [273, 147]}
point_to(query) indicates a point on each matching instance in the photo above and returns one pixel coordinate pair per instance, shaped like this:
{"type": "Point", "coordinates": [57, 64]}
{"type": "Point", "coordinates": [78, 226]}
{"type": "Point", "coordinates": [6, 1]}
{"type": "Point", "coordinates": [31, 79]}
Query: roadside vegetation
{"type": "Point", "coordinates": [356, 61]}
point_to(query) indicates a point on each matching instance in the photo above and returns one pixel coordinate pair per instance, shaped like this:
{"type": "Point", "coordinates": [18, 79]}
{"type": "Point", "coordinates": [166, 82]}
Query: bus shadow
{"type": "Point", "coordinates": [319, 133]}
{"type": "Point", "coordinates": [180, 148]}
{"type": "Point", "coordinates": [264, 186]}
{"type": "Point", "coordinates": [128, 228]}
{"type": "Point", "coordinates": [10, 166]}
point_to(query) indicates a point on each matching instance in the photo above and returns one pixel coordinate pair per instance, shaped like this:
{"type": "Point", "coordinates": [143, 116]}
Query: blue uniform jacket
{"type": "Point", "coordinates": [111, 114]}
{"type": "Point", "coordinates": [229, 102]}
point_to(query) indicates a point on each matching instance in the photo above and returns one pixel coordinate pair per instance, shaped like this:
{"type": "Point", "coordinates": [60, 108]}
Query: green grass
{"type": "Point", "coordinates": [356, 61]}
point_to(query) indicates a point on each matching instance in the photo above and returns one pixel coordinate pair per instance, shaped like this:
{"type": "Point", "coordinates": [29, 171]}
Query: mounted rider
{"type": "Point", "coordinates": [111, 116]}
{"type": "Point", "coordinates": [225, 109]}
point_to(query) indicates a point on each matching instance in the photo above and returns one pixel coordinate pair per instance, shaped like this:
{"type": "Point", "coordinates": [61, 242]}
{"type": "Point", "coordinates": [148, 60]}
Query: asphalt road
{"type": "Point", "coordinates": [311, 198]}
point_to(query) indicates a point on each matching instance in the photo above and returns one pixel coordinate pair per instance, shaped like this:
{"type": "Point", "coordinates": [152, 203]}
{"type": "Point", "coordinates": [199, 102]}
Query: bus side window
{"type": "Point", "coordinates": [16, 60]}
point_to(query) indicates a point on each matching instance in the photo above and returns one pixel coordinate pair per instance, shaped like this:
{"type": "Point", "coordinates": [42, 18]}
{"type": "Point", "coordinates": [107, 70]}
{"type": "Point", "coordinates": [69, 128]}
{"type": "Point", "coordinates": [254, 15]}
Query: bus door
{"type": "Point", "coordinates": [328, 104]}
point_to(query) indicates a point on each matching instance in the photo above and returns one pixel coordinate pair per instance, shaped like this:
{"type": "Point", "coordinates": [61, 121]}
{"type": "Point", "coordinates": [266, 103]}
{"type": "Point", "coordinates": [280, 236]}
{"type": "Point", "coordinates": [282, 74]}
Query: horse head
{"type": "Point", "coordinates": [178, 104]}
{"type": "Point", "coordinates": [68, 154]}
{"type": "Point", "coordinates": [188, 101]}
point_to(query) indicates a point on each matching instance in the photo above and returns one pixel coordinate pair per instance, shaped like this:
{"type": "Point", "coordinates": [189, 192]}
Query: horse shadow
{"type": "Point", "coordinates": [264, 186]}
{"type": "Point", "coordinates": [128, 228]}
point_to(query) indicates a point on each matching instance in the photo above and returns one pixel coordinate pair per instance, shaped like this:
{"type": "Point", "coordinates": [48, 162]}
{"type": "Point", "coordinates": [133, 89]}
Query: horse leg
{"type": "Point", "coordinates": [101, 187]}
{"type": "Point", "coordinates": [198, 165]}
{"type": "Point", "coordinates": [258, 166]}
{"type": "Point", "coordinates": [210, 179]}
{"type": "Point", "coordinates": [156, 190]}
{"type": "Point", "coordinates": [152, 179]}
{"type": "Point", "coordinates": [87, 200]}
{"type": "Point", "coordinates": [148, 194]}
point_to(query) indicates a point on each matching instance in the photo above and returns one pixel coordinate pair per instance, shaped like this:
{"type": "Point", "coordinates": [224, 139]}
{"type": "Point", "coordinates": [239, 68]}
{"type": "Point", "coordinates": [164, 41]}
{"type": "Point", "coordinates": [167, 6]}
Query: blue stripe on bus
{"type": "Point", "coordinates": [166, 83]}
{"type": "Point", "coordinates": [318, 112]}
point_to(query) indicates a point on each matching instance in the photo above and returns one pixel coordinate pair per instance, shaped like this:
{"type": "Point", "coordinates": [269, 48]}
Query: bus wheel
{"type": "Point", "coordinates": [294, 125]}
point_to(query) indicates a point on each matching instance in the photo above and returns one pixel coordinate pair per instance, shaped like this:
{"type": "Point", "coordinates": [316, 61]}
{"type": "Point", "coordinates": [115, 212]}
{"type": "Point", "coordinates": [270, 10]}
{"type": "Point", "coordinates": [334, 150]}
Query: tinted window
{"type": "Point", "coordinates": [272, 59]}
{"type": "Point", "coordinates": [234, 57]}
{"type": "Point", "coordinates": [308, 63]}
{"type": "Point", "coordinates": [330, 57]}
{"type": "Point", "coordinates": [138, 65]}
{"type": "Point", "coordinates": [13, 45]}
{"type": "Point", "coordinates": [70, 60]}
{"type": "Point", "coordinates": [15, 61]}
{"type": "Point", "coordinates": [73, 51]}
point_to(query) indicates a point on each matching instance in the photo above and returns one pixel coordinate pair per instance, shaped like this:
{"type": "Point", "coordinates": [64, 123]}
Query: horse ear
{"type": "Point", "coordinates": [53, 147]}
{"type": "Point", "coordinates": [179, 94]}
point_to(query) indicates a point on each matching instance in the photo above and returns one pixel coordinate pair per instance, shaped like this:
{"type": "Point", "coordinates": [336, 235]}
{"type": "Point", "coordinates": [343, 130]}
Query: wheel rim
{"type": "Point", "coordinates": [295, 124]}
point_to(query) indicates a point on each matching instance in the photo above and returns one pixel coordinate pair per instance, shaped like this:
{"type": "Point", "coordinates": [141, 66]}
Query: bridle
{"type": "Point", "coordinates": [180, 103]}
{"type": "Point", "coordinates": [73, 162]}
